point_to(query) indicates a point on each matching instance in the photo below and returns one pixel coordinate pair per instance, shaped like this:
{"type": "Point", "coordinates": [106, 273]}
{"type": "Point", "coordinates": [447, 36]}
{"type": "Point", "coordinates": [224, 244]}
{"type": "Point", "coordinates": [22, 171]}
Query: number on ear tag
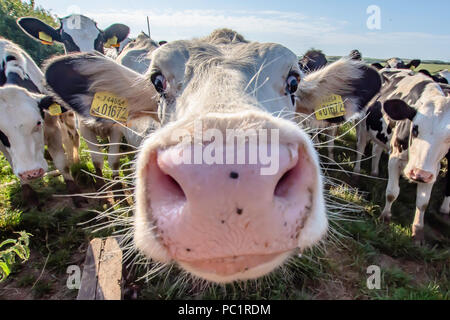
{"type": "Point", "coordinates": [109, 106]}
{"type": "Point", "coordinates": [330, 107]}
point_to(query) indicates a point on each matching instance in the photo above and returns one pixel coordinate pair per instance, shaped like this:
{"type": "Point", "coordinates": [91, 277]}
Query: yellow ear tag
{"type": "Point", "coordinates": [112, 42]}
{"type": "Point", "coordinates": [45, 38]}
{"type": "Point", "coordinates": [109, 106]}
{"type": "Point", "coordinates": [330, 107]}
{"type": "Point", "coordinates": [413, 68]}
{"type": "Point", "coordinates": [55, 110]}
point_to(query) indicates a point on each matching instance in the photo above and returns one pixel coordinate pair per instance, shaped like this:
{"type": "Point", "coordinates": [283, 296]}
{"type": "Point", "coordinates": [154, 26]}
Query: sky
{"type": "Point", "coordinates": [406, 29]}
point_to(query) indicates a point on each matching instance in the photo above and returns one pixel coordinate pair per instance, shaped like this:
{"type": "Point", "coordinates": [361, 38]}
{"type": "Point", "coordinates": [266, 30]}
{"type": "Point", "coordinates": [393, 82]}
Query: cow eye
{"type": "Point", "coordinates": [159, 81]}
{"type": "Point", "coordinates": [39, 123]}
{"type": "Point", "coordinates": [415, 131]}
{"type": "Point", "coordinates": [293, 82]}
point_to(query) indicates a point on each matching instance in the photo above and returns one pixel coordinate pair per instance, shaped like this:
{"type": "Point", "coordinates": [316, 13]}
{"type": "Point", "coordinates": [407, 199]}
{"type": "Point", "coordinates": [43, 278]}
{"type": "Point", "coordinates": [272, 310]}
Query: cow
{"type": "Point", "coordinates": [397, 63]}
{"type": "Point", "coordinates": [356, 55]}
{"type": "Point", "coordinates": [313, 60]}
{"type": "Point", "coordinates": [24, 126]}
{"type": "Point", "coordinates": [445, 74]}
{"type": "Point", "coordinates": [79, 33]}
{"type": "Point", "coordinates": [437, 78]}
{"type": "Point", "coordinates": [231, 221]}
{"type": "Point", "coordinates": [426, 127]}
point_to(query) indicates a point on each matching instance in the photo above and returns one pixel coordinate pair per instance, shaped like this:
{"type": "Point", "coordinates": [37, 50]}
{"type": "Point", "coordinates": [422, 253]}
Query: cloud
{"type": "Point", "coordinates": [297, 31]}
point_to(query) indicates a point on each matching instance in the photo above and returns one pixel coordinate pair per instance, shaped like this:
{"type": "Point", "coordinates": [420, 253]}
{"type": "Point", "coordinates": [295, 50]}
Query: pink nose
{"type": "Point", "coordinates": [421, 175]}
{"type": "Point", "coordinates": [32, 174]}
{"type": "Point", "coordinates": [227, 218]}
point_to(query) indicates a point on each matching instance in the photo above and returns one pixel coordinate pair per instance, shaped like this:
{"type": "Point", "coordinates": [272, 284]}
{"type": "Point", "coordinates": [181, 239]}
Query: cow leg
{"type": "Point", "coordinates": [445, 207]}
{"type": "Point", "coordinates": [422, 200]}
{"type": "Point", "coordinates": [377, 152]}
{"type": "Point", "coordinates": [55, 148]}
{"type": "Point", "coordinates": [96, 154]}
{"type": "Point", "coordinates": [114, 158]}
{"type": "Point", "coordinates": [360, 146]}
{"type": "Point", "coordinates": [71, 137]}
{"type": "Point", "coordinates": [393, 187]}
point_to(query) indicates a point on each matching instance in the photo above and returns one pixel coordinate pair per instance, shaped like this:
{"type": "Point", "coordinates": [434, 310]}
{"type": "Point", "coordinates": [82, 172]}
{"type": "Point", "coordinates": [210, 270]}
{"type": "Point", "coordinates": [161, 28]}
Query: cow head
{"type": "Point", "coordinates": [226, 188]}
{"type": "Point", "coordinates": [21, 131]}
{"type": "Point", "coordinates": [397, 63]}
{"type": "Point", "coordinates": [313, 60]}
{"type": "Point", "coordinates": [77, 32]}
{"type": "Point", "coordinates": [425, 131]}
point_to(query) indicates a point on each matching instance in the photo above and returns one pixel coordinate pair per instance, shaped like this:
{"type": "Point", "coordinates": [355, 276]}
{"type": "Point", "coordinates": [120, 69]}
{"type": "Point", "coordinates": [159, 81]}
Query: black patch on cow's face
{"type": "Point", "coordinates": [377, 66]}
{"type": "Point", "coordinates": [416, 92]}
{"type": "Point", "coordinates": [374, 122]}
{"type": "Point", "coordinates": [4, 140]}
{"type": "Point", "coordinates": [14, 79]}
{"type": "Point", "coordinates": [402, 129]}
{"type": "Point", "coordinates": [68, 42]}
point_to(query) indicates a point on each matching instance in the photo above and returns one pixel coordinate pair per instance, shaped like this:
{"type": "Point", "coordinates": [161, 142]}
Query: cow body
{"type": "Point", "coordinates": [393, 135]}
{"type": "Point", "coordinates": [222, 221]}
{"type": "Point", "coordinates": [79, 33]}
{"type": "Point", "coordinates": [24, 130]}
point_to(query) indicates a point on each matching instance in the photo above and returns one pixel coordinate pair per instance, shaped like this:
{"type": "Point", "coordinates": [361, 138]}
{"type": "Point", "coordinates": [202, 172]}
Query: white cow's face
{"type": "Point", "coordinates": [81, 33]}
{"type": "Point", "coordinates": [228, 188]}
{"type": "Point", "coordinates": [77, 32]}
{"type": "Point", "coordinates": [430, 139]}
{"type": "Point", "coordinates": [21, 132]}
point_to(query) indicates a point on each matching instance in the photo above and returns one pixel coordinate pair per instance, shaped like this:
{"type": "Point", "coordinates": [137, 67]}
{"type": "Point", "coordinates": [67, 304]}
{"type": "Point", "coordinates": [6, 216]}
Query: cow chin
{"type": "Point", "coordinates": [228, 222]}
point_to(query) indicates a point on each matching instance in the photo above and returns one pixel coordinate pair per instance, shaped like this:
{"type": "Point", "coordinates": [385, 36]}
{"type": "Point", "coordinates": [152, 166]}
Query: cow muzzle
{"type": "Point", "coordinates": [421, 176]}
{"type": "Point", "coordinates": [32, 175]}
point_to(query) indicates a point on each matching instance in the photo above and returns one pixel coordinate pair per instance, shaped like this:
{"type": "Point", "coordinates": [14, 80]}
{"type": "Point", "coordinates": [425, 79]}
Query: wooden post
{"type": "Point", "coordinates": [102, 273]}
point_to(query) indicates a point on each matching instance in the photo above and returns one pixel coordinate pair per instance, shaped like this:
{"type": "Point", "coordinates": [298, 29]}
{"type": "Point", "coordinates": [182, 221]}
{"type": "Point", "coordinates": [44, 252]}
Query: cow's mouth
{"type": "Point", "coordinates": [234, 268]}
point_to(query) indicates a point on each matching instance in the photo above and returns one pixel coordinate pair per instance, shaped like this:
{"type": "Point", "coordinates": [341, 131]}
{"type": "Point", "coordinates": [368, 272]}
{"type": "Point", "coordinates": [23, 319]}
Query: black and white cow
{"type": "Point", "coordinates": [79, 33]}
{"type": "Point", "coordinates": [410, 119]}
{"type": "Point", "coordinates": [313, 60]}
{"type": "Point", "coordinates": [437, 78]}
{"type": "Point", "coordinates": [397, 63]}
{"type": "Point", "coordinates": [24, 126]}
{"type": "Point", "coordinates": [222, 222]}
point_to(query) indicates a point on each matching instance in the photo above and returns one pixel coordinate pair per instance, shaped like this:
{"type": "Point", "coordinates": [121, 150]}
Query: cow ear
{"type": "Point", "coordinates": [118, 30]}
{"type": "Point", "coordinates": [39, 30]}
{"type": "Point", "coordinates": [399, 110]}
{"type": "Point", "coordinates": [414, 63]}
{"type": "Point", "coordinates": [76, 79]}
{"type": "Point", "coordinates": [48, 103]}
{"type": "Point", "coordinates": [353, 81]}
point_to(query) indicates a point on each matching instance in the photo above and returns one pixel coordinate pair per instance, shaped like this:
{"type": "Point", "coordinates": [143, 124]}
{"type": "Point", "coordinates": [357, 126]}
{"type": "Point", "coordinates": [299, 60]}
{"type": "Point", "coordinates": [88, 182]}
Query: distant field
{"type": "Point", "coordinates": [428, 65]}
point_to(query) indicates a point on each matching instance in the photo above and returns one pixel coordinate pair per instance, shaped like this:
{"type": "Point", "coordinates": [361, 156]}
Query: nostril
{"type": "Point", "coordinates": [174, 187]}
{"type": "Point", "coordinates": [284, 187]}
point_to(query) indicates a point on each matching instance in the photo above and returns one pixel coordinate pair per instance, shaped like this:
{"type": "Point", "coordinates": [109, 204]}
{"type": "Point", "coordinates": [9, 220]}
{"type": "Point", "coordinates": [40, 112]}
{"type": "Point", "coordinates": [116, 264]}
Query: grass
{"type": "Point", "coordinates": [334, 270]}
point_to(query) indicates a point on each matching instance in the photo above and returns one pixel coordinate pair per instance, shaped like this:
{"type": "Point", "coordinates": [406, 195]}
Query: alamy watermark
{"type": "Point", "coordinates": [374, 19]}
{"type": "Point", "coordinates": [234, 147]}
{"type": "Point", "coordinates": [374, 280]}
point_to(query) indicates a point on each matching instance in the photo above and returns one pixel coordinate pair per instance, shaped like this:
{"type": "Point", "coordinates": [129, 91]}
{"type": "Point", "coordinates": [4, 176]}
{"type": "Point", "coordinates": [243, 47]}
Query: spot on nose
{"type": "Point", "coordinates": [239, 211]}
{"type": "Point", "coordinates": [234, 175]}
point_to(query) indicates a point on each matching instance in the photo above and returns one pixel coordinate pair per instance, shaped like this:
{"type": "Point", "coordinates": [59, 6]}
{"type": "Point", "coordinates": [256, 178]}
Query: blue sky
{"type": "Point", "coordinates": [409, 29]}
